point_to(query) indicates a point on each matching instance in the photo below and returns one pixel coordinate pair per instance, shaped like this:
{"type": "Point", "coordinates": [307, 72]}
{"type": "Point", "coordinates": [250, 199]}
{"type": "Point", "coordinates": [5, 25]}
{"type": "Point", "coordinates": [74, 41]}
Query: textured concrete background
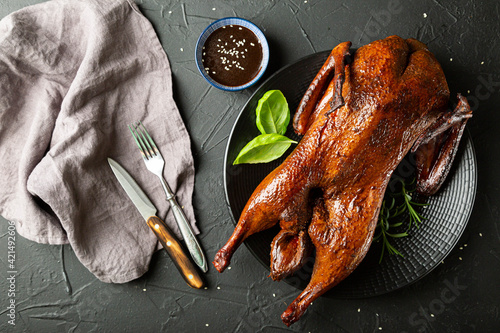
{"type": "Point", "coordinates": [464, 36]}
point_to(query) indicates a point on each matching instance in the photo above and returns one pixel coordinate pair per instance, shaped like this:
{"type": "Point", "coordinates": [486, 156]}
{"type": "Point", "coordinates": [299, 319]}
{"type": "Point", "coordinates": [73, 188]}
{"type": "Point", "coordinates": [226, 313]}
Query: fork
{"type": "Point", "coordinates": [155, 163]}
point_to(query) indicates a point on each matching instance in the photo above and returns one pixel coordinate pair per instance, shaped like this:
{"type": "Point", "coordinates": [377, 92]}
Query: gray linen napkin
{"type": "Point", "coordinates": [73, 74]}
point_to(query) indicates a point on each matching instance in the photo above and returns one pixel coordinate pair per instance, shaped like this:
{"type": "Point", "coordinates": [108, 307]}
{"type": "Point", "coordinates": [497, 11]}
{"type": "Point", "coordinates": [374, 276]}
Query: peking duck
{"type": "Point", "coordinates": [360, 116]}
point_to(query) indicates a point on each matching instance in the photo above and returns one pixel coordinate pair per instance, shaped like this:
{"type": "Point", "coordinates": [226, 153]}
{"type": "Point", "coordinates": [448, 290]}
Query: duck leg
{"type": "Point", "coordinates": [341, 230]}
{"type": "Point", "coordinates": [281, 197]}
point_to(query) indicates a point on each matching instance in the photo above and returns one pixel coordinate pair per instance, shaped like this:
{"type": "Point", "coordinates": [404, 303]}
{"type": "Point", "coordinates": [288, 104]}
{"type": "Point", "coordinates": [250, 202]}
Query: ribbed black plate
{"type": "Point", "coordinates": [446, 215]}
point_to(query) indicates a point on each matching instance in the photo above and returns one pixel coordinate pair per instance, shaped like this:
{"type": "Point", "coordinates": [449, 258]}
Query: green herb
{"type": "Point", "coordinates": [273, 114]}
{"type": "Point", "coordinates": [272, 118]}
{"type": "Point", "coordinates": [264, 148]}
{"type": "Point", "coordinates": [387, 221]}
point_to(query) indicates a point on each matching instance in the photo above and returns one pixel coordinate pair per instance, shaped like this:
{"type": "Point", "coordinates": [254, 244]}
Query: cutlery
{"type": "Point", "coordinates": [166, 237]}
{"type": "Point", "coordinates": [155, 163]}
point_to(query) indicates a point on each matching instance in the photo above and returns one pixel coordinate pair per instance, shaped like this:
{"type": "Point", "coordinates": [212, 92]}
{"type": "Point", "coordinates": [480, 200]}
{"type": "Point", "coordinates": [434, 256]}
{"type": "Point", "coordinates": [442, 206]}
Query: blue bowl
{"type": "Point", "coordinates": [218, 24]}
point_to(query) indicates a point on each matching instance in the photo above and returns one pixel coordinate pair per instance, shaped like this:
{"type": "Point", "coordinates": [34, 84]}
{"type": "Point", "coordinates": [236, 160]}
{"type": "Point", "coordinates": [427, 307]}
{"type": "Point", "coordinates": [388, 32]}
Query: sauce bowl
{"type": "Point", "coordinates": [224, 22]}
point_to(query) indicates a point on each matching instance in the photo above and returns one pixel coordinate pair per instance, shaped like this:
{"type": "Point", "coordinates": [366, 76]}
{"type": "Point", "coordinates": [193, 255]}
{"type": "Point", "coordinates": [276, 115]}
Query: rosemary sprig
{"type": "Point", "coordinates": [387, 221]}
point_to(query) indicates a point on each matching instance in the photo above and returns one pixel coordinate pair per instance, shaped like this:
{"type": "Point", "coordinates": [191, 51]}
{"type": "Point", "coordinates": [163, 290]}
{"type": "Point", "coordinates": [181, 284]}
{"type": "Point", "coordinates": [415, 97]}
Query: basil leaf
{"type": "Point", "coordinates": [263, 149]}
{"type": "Point", "coordinates": [273, 114]}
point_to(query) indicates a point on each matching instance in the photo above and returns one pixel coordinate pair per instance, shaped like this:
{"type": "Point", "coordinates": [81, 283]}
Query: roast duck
{"type": "Point", "coordinates": [360, 116]}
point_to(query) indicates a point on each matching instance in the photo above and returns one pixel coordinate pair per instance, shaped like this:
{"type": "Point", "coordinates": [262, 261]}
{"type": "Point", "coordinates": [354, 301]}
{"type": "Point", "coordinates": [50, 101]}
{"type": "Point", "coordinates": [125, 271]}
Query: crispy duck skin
{"type": "Point", "coordinates": [391, 96]}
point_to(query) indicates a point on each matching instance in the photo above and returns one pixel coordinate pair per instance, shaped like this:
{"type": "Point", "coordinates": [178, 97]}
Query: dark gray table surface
{"type": "Point", "coordinates": [464, 36]}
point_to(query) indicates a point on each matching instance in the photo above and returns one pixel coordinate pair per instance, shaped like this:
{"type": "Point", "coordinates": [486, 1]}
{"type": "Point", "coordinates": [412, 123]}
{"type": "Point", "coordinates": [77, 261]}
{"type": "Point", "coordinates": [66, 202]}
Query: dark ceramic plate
{"type": "Point", "coordinates": [446, 215]}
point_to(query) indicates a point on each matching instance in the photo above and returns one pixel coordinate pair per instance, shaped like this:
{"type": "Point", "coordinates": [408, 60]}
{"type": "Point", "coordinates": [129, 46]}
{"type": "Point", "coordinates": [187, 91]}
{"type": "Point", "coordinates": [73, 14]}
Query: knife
{"type": "Point", "coordinates": [170, 243]}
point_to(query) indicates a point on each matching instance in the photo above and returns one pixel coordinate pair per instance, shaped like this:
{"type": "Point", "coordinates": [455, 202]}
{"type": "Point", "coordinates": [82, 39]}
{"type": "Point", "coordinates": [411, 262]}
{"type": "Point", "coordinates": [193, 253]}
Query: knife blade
{"type": "Point", "coordinates": [170, 243]}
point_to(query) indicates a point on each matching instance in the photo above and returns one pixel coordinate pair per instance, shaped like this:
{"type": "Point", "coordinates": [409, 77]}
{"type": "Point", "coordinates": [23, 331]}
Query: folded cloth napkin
{"type": "Point", "coordinates": [73, 75]}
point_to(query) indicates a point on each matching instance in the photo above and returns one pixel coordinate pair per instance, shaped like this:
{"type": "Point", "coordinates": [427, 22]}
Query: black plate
{"type": "Point", "coordinates": [446, 215]}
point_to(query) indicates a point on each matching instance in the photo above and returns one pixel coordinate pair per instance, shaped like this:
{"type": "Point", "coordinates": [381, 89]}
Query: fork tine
{"type": "Point", "coordinates": [146, 154]}
{"type": "Point", "coordinates": [149, 140]}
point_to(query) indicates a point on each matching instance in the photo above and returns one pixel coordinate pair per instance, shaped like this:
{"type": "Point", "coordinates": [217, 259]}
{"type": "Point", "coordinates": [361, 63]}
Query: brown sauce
{"type": "Point", "coordinates": [232, 55]}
